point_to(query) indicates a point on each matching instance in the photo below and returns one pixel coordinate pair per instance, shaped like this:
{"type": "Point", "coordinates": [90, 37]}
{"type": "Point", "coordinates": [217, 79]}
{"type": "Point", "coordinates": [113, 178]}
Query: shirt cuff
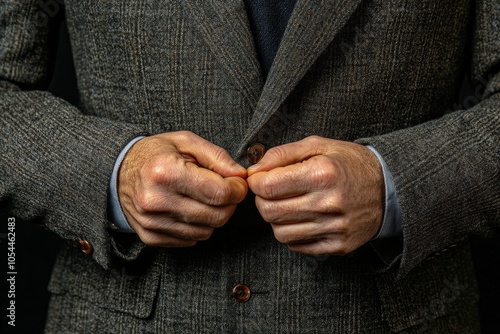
{"type": "Point", "coordinates": [392, 223]}
{"type": "Point", "coordinates": [118, 221]}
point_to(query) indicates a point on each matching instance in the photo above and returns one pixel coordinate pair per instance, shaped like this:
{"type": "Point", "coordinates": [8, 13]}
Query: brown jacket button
{"type": "Point", "coordinates": [255, 153]}
{"type": "Point", "coordinates": [84, 246]}
{"type": "Point", "coordinates": [241, 293]}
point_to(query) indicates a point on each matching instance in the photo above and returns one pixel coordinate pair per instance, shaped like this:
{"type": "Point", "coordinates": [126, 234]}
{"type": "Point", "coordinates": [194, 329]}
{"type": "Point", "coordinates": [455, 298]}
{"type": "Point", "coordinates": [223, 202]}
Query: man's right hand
{"type": "Point", "coordinates": [176, 187]}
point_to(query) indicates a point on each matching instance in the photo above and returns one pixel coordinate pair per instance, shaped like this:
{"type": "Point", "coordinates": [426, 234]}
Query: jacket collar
{"type": "Point", "coordinates": [226, 29]}
{"type": "Point", "coordinates": [312, 27]}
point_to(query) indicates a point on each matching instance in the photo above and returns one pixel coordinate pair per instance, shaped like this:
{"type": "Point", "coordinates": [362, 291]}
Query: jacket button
{"type": "Point", "coordinates": [84, 246]}
{"type": "Point", "coordinates": [255, 153]}
{"type": "Point", "coordinates": [241, 293]}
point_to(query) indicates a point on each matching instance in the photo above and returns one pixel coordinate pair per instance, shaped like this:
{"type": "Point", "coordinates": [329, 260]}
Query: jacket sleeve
{"type": "Point", "coordinates": [55, 161]}
{"type": "Point", "coordinates": [447, 171]}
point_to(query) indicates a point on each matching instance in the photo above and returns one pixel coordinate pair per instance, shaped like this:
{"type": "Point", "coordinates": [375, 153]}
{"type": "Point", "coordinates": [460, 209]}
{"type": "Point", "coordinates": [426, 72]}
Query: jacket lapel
{"type": "Point", "coordinates": [311, 28]}
{"type": "Point", "coordinates": [226, 29]}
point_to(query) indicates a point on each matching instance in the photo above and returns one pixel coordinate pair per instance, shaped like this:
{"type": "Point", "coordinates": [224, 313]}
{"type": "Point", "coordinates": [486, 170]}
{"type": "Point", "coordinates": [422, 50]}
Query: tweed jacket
{"type": "Point", "coordinates": [384, 73]}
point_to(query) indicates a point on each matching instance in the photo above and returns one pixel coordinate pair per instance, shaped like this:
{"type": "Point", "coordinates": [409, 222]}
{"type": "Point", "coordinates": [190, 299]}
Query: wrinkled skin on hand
{"type": "Point", "coordinates": [176, 188]}
{"type": "Point", "coordinates": [321, 196]}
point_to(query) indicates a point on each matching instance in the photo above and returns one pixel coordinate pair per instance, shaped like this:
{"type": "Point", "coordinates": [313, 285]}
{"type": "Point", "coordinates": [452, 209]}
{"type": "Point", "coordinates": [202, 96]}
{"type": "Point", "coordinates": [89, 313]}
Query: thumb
{"type": "Point", "coordinates": [288, 154]}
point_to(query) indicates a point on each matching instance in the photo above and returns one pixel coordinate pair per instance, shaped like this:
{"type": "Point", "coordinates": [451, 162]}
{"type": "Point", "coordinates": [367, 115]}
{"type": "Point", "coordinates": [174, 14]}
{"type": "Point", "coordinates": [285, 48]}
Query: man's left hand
{"type": "Point", "coordinates": [321, 196]}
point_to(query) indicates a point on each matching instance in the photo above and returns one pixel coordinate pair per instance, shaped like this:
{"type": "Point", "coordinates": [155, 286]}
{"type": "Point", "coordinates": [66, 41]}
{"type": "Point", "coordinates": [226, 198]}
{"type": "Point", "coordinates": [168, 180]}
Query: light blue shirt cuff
{"type": "Point", "coordinates": [119, 222]}
{"type": "Point", "coordinates": [392, 223]}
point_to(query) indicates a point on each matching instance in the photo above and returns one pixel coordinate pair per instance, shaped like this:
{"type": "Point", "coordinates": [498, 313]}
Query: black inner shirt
{"type": "Point", "coordinates": [268, 20]}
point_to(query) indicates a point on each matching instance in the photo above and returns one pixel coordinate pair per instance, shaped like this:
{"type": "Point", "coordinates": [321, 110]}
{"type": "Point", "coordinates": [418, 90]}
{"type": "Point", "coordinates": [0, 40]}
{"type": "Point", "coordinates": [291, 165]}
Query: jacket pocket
{"type": "Point", "coordinates": [124, 290]}
{"type": "Point", "coordinates": [437, 290]}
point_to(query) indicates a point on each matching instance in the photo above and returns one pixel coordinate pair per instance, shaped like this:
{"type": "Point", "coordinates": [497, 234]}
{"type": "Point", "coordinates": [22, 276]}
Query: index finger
{"type": "Point", "coordinates": [288, 154]}
{"type": "Point", "coordinates": [208, 187]}
{"type": "Point", "coordinates": [289, 181]}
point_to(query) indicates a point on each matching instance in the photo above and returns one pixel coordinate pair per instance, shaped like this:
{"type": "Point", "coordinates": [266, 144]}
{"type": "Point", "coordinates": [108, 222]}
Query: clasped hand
{"type": "Point", "coordinates": [321, 196]}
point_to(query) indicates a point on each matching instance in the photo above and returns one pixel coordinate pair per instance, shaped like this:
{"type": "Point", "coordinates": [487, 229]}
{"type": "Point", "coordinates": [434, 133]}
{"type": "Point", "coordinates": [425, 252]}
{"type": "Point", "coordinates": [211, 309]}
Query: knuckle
{"type": "Point", "coordinates": [267, 214]}
{"type": "Point", "coordinates": [150, 239]}
{"type": "Point", "coordinates": [220, 153]}
{"type": "Point", "coordinates": [186, 234]}
{"type": "Point", "coordinates": [283, 238]}
{"type": "Point", "coordinates": [314, 141]}
{"type": "Point", "coordinates": [277, 152]}
{"type": "Point", "coordinates": [159, 170]}
{"type": "Point", "coordinates": [324, 172]}
{"type": "Point", "coordinates": [145, 202]}
{"type": "Point", "coordinates": [205, 234]}
{"type": "Point", "coordinates": [222, 216]}
{"type": "Point", "coordinates": [221, 196]}
{"type": "Point", "coordinates": [268, 211]}
{"type": "Point", "coordinates": [225, 214]}
{"type": "Point", "coordinates": [157, 173]}
{"type": "Point", "coordinates": [218, 221]}
{"type": "Point", "coordinates": [217, 224]}
{"type": "Point", "coordinates": [268, 188]}
{"type": "Point", "coordinates": [213, 218]}
{"type": "Point", "coordinates": [149, 224]}
{"type": "Point", "coordinates": [185, 136]}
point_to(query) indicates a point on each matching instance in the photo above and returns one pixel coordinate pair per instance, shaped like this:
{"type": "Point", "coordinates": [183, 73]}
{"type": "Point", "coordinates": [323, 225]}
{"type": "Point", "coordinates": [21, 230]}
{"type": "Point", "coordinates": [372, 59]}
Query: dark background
{"type": "Point", "coordinates": [36, 248]}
